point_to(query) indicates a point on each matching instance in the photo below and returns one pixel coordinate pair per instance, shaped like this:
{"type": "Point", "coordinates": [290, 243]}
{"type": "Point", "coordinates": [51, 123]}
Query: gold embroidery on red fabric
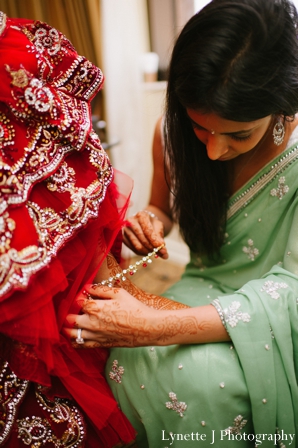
{"type": "Point", "coordinates": [41, 156]}
{"type": "Point", "coordinates": [82, 79]}
{"type": "Point", "coordinates": [37, 432]}
{"type": "Point", "coordinates": [47, 40]}
{"type": "Point", "coordinates": [55, 228]}
{"type": "Point", "coordinates": [2, 22]}
{"type": "Point", "coordinates": [54, 105]}
{"type": "Point", "coordinates": [63, 119]}
{"type": "Point", "coordinates": [7, 226]}
{"type": "Point", "coordinates": [97, 155]}
{"type": "Point", "coordinates": [63, 179]}
{"type": "Point", "coordinates": [16, 267]}
{"type": "Point", "coordinates": [20, 78]}
{"type": "Point", "coordinates": [7, 132]}
{"type": "Point", "coordinates": [75, 119]}
{"type": "Point", "coordinates": [31, 93]}
{"type": "Point", "coordinates": [42, 153]}
{"type": "Point", "coordinates": [12, 391]}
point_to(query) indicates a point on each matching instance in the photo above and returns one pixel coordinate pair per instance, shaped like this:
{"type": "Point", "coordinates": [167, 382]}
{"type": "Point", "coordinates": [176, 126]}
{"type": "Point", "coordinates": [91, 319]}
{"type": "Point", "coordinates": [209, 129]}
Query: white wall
{"type": "Point", "coordinates": [132, 106]}
{"type": "Point", "coordinates": [129, 114]}
{"type": "Point", "coordinates": [199, 4]}
{"type": "Point", "coordinates": [126, 38]}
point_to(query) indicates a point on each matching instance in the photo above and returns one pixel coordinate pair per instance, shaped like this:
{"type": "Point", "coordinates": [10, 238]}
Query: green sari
{"type": "Point", "coordinates": [243, 393]}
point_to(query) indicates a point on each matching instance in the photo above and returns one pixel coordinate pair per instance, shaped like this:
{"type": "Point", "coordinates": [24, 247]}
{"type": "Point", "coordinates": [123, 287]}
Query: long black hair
{"type": "Point", "coordinates": [237, 59]}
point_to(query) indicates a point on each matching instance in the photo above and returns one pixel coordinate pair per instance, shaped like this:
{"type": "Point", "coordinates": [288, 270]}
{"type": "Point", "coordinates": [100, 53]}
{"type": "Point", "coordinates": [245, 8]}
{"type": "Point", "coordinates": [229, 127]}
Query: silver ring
{"type": "Point", "coordinates": [79, 339]}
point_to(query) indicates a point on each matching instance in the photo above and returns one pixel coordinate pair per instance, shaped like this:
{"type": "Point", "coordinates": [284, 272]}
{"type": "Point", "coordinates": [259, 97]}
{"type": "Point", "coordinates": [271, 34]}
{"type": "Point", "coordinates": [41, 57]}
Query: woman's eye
{"type": "Point", "coordinates": [196, 126]}
{"type": "Point", "coordinates": [239, 138]}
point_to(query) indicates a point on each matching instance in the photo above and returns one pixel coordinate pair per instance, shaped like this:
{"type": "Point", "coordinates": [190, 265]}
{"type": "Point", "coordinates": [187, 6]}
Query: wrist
{"type": "Point", "coordinates": [168, 328]}
{"type": "Point", "coordinates": [149, 213]}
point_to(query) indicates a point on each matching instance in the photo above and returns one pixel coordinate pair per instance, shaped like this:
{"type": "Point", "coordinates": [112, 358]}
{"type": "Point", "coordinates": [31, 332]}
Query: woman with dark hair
{"type": "Point", "coordinates": [231, 151]}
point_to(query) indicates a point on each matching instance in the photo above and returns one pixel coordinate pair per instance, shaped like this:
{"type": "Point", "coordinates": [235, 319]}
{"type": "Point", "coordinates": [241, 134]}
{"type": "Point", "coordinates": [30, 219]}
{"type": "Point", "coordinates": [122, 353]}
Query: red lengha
{"type": "Point", "coordinates": [60, 213]}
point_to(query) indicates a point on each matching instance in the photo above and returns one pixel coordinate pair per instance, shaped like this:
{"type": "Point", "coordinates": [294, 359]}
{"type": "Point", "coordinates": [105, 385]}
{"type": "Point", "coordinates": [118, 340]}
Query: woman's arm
{"type": "Point", "coordinates": [110, 269]}
{"type": "Point", "coordinates": [123, 321]}
{"type": "Point", "coordinates": [147, 228]}
{"type": "Point", "coordinates": [130, 317]}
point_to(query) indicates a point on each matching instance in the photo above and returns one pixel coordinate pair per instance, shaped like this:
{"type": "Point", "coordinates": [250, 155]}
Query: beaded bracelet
{"type": "Point", "coordinates": [131, 270]}
{"type": "Point", "coordinates": [218, 307]}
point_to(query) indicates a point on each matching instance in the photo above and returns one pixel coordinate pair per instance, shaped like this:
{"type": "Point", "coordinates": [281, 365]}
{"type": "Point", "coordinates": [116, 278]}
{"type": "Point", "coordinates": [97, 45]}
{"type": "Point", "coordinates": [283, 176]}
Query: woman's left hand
{"type": "Point", "coordinates": [144, 232]}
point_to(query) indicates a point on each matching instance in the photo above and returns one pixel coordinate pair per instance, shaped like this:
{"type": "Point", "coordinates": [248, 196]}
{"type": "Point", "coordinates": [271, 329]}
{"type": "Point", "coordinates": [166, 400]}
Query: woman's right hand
{"type": "Point", "coordinates": [114, 318]}
{"type": "Point", "coordinates": [118, 321]}
{"type": "Point", "coordinates": [143, 233]}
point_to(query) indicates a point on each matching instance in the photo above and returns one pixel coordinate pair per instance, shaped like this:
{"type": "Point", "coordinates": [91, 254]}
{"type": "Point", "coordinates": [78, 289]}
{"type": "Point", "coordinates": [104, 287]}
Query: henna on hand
{"type": "Point", "coordinates": [120, 327]}
{"type": "Point", "coordinates": [151, 300]}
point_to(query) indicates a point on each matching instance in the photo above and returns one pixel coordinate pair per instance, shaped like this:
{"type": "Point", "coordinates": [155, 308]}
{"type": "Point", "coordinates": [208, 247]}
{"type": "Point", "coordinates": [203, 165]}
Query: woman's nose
{"type": "Point", "coordinates": [216, 146]}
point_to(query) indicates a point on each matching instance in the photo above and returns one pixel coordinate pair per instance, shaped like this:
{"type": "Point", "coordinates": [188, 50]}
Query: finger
{"type": "Point", "coordinates": [157, 234]}
{"type": "Point", "coordinates": [133, 243]}
{"type": "Point", "coordinates": [101, 293]}
{"type": "Point", "coordinates": [90, 327]}
{"type": "Point", "coordinates": [75, 321]}
{"type": "Point", "coordinates": [163, 253]}
{"type": "Point", "coordinates": [89, 344]}
{"type": "Point", "coordinates": [144, 233]}
{"type": "Point", "coordinates": [138, 235]}
{"type": "Point", "coordinates": [102, 339]}
{"type": "Point", "coordinates": [72, 333]}
{"type": "Point", "coordinates": [155, 239]}
{"type": "Point", "coordinates": [149, 227]}
{"type": "Point", "coordinates": [68, 332]}
{"type": "Point", "coordinates": [159, 240]}
{"type": "Point", "coordinates": [70, 321]}
{"type": "Point", "coordinates": [152, 229]}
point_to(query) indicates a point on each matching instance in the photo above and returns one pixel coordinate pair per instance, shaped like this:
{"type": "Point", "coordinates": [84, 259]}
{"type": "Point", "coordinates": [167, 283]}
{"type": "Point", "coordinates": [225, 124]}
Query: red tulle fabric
{"type": "Point", "coordinates": [61, 212]}
{"type": "Point", "coordinates": [36, 350]}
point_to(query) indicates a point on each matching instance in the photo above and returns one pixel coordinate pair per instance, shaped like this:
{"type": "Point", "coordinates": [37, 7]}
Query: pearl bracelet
{"type": "Point", "coordinates": [131, 270]}
{"type": "Point", "coordinates": [218, 307]}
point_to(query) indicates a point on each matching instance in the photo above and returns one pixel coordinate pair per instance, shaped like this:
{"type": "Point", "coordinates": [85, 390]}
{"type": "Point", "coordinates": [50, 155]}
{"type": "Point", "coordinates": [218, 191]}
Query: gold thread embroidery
{"type": "Point", "coordinates": [37, 431]}
{"type": "Point", "coordinates": [12, 391]}
{"type": "Point", "coordinates": [2, 22]}
{"type": "Point", "coordinates": [20, 78]}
